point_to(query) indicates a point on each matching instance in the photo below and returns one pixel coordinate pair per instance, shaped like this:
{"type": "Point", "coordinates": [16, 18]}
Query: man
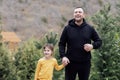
{"type": "Point", "coordinates": [76, 38]}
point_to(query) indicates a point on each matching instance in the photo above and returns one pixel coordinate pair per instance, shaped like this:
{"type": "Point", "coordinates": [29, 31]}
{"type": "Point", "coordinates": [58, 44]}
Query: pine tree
{"type": "Point", "coordinates": [6, 63]}
{"type": "Point", "coordinates": [26, 59]}
{"type": "Point", "coordinates": [106, 59]}
{"type": "Point", "coordinates": [51, 38]}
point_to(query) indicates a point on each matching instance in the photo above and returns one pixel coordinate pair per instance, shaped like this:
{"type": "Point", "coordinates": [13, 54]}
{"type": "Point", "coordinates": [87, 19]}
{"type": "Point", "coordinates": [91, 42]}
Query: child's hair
{"type": "Point", "coordinates": [49, 45]}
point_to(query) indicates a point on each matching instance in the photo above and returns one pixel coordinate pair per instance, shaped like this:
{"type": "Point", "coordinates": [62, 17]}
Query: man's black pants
{"type": "Point", "coordinates": [80, 68]}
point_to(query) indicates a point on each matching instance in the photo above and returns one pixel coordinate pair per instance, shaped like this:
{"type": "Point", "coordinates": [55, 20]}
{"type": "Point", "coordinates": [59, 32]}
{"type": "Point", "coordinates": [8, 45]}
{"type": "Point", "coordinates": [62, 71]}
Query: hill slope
{"type": "Point", "coordinates": [36, 17]}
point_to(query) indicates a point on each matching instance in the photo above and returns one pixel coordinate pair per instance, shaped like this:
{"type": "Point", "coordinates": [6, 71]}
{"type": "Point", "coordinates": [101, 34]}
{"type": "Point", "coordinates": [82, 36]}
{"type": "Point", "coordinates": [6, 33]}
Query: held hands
{"type": "Point", "coordinates": [88, 47]}
{"type": "Point", "coordinates": [65, 61]}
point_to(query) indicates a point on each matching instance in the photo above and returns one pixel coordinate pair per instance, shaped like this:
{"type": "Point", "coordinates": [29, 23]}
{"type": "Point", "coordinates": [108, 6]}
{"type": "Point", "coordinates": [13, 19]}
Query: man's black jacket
{"type": "Point", "coordinates": [74, 37]}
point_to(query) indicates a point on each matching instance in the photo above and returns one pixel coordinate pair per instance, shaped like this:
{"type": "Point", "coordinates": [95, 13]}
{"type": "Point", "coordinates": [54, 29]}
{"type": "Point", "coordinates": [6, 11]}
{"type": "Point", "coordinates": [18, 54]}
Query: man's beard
{"type": "Point", "coordinates": [78, 21]}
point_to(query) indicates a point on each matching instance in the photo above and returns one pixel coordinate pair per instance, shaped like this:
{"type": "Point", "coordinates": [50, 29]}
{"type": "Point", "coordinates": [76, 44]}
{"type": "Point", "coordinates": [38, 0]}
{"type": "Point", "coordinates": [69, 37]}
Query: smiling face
{"type": "Point", "coordinates": [78, 14]}
{"type": "Point", "coordinates": [47, 52]}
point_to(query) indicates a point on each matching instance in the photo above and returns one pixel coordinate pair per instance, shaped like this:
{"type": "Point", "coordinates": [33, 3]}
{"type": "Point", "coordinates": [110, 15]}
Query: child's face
{"type": "Point", "coordinates": [47, 52]}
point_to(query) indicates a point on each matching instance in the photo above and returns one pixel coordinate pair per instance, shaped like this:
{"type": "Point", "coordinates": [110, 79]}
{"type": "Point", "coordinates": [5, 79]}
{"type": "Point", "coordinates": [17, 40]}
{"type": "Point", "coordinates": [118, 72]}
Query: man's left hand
{"type": "Point", "coordinates": [88, 47]}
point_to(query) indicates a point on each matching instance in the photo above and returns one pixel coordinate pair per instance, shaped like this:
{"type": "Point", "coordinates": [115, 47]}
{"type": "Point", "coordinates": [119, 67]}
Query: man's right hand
{"type": "Point", "coordinates": [65, 60]}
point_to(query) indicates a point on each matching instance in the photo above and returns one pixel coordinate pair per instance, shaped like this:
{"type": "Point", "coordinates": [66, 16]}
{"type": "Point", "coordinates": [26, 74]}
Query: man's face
{"type": "Point", "coordinates": [78, 14]}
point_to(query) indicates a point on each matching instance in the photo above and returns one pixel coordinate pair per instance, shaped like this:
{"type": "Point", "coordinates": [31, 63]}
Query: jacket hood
{"type": "Point", "coordinates": [72, 23]}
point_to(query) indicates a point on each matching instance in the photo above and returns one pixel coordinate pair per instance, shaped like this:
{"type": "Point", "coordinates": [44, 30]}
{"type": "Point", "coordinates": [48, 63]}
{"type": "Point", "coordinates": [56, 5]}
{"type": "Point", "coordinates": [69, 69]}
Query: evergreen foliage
{"type": "Point", "coordinates": [51, 38]}
{"type": "Point", "coordinates": [106, 59]}
{"type": "Point", "coordinates": [26, 59]}
{"type": "Point", "coordinates": [6, 65]}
